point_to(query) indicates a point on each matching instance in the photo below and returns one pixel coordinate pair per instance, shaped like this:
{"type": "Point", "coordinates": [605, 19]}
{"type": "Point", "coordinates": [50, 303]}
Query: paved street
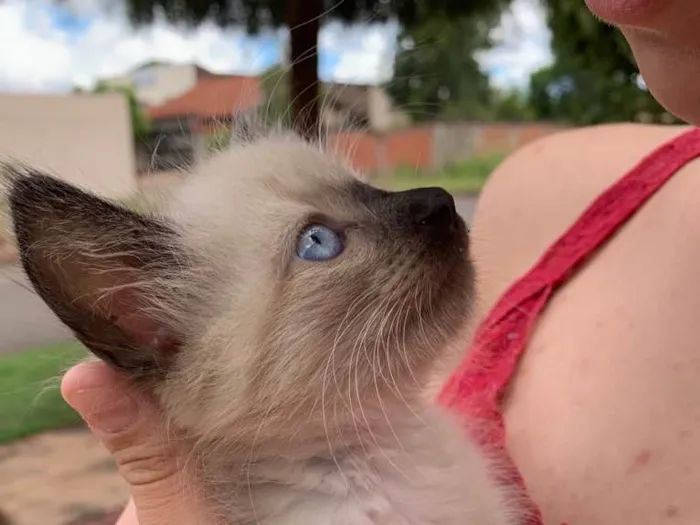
{"type": "Point", "coordinates": [465, 206]}
{"type": "Point", "coordinates": [24, 319]}
{"type": "Point", "coordinates": [26, 322]}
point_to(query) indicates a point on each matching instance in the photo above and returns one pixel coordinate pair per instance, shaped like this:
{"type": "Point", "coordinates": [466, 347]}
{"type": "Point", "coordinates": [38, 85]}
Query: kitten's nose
{"type": "Point", "coordinates": [432, 208]}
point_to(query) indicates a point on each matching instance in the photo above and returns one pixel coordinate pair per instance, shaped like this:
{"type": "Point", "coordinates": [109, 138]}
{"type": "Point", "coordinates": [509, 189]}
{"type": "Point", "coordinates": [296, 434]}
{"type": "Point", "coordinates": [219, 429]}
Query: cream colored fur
{"type": "Point", "coordinates": [301, 385]}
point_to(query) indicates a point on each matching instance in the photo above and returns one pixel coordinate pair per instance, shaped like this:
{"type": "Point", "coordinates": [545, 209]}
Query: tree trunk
{"type": "Point", "coordinates": [303, 20]}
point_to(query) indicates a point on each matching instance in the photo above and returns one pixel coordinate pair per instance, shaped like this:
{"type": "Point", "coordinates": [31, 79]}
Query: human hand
{"type": "Point", "coordinates": [129, 425]}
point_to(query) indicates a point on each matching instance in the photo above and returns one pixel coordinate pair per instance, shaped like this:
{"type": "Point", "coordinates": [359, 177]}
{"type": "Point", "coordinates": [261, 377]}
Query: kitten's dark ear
{"type": "Point", "coordinates": [103, 270]}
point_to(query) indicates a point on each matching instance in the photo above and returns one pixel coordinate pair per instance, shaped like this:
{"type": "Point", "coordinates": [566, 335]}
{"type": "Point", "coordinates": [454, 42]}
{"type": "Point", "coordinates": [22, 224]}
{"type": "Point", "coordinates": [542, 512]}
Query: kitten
{"type": "Point", "coordinates": [287, 316]}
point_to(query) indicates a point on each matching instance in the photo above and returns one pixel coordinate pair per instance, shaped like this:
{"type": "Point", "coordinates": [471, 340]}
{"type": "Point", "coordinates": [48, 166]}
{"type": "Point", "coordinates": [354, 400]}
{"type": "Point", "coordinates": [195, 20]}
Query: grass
{"type": "Point", "coordinates": [462, 178]}
{"type": "Point", "coordinates": [30, 400]}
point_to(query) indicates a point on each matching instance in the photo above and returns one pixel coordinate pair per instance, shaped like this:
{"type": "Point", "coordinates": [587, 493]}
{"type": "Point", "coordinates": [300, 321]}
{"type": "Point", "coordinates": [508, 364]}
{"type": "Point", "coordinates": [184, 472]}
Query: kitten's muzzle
{"type": "Point", "coordinates": [434, 208]}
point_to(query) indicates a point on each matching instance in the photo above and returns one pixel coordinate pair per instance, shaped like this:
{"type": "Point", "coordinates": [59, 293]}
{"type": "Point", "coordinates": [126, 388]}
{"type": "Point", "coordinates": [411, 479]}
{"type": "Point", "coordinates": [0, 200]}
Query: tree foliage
{"type": "Point", "coordinates": [437, 75]}
{"type": "Point", "coordinates": [304, 18]}
{"type": "Point", "coordinates": [276, 85]}
{"type": "Point", "coordinates": [435, 70]}
{"type": "Point", "coordinates": [594, 77]}
{"type": "Point", "coordinates": [511, 106]}
{"type": "Point", "coordinates": [258, 14]}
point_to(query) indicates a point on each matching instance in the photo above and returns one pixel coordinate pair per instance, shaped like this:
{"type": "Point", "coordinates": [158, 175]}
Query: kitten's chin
{"type": "Point", "coordinates": [451, 300]}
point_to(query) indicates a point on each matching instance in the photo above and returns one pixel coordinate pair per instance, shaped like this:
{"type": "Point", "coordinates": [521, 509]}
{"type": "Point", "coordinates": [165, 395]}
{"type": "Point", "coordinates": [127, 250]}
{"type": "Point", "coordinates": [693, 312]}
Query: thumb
{"type": "Point", "coordinates": [131, 428]}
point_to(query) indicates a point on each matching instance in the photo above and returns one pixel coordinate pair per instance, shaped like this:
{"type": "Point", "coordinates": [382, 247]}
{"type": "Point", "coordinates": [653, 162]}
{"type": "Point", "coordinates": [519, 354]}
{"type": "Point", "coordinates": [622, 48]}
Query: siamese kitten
{"type": "Point", "coordinates": [287, 317]}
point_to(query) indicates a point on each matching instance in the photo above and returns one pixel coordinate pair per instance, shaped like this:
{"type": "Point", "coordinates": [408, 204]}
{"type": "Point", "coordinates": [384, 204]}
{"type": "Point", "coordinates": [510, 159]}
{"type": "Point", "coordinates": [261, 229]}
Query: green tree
{"type": "Point", "coordinates": [512, 106]}
{"type": "Point", "coordinates": [435, 72]}
{"type": "Point", "coordinates": [140, 124]}
{"type": "Point", "coordinates": [304, 19]}
{"type": "Point", "coordinates": [276, 84]}
{"type": "Point", "coordinates": [594, 77]}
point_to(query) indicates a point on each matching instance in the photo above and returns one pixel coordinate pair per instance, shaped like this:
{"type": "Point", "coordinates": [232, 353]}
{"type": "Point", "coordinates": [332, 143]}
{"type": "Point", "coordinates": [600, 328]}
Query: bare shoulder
{"type": "Point", "coordinates": [604, 412]}
{"type": "Point", "coordinates": [540, 190]}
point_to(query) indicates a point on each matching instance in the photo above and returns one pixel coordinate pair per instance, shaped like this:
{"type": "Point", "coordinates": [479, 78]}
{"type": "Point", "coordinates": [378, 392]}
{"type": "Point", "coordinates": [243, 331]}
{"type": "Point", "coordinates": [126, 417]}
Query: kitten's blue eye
{"type": "Point", "coordinates": [318, 243]}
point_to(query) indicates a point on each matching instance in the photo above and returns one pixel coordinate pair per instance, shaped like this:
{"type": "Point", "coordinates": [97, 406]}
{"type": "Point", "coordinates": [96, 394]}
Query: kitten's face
{"type": "Point", "coordinates": [294, 294]}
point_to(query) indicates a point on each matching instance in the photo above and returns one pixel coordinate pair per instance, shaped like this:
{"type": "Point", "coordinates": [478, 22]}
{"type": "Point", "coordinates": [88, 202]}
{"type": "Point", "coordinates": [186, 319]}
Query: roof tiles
{"type": "Point", "coordinates": [212, 97]}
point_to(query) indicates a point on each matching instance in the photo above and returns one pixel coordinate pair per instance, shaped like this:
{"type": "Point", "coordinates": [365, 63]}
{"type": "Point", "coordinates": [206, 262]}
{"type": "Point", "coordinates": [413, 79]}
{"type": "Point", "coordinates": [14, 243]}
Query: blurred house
{"type": "Point", "coordinates": [186, 127]}
{"type": "Point", "coordinates": [190, 107]}
{"type": "Point", "coordinates": [191, 111]}
{"type": "Point", "coordinates": [187, 105]}
{"type": "Point", "coordinates": [353, 106]}
{"type": "Point", "coordinates": [85, 139]}
{"type": "Point", "coordinates": [156, 82]}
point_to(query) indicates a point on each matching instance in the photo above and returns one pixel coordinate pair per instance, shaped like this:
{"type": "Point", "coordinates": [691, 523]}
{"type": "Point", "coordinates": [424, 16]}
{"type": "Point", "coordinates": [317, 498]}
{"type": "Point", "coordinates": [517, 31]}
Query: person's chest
{"type": "Point", "coordinates": [603, 417]}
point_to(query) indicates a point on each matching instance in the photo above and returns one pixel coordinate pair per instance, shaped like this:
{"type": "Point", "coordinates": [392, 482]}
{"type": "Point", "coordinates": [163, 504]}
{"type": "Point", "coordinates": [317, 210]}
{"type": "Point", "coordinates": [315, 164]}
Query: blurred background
{"type": "Point", "coordinates": [128, 97]}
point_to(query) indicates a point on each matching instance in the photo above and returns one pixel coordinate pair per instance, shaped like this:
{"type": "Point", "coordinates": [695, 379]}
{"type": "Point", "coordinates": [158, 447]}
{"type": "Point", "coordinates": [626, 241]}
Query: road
{"type": "Point", "coordinates": [26, 322]}
{"type": "Point", "coordinates": [465, 206]}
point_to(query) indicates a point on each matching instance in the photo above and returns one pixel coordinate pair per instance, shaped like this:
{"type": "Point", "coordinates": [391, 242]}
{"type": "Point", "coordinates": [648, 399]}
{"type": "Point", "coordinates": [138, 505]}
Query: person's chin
{"type": "Point", "coordinates": [671, 72]}
{"type": "Point", "coordinates": [626, 12]}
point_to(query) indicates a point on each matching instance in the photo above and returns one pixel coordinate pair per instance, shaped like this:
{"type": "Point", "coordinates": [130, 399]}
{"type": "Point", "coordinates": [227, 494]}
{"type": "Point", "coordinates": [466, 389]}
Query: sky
{"type": "Point", "coordinates": [45, 47]}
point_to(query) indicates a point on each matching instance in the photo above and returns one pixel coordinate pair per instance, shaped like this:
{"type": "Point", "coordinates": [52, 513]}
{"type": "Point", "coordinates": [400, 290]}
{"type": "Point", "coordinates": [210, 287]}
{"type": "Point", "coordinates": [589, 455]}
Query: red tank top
{"type": "Point", "coordinates": [477, 386]}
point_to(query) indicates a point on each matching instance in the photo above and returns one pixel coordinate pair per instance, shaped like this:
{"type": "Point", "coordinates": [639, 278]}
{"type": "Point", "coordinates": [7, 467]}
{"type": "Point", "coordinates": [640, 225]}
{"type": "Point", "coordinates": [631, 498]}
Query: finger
{"type": "Point", "coordinates": [128, 516]}
{"type": "Point", "coordinates": [130, 426]}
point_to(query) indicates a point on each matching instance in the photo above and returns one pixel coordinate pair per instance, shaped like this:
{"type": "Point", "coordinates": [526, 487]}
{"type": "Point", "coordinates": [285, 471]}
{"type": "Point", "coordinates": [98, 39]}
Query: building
{"type": "Point", "coordinates": [85, 139]}
{"type": "Point", "coordinates": [156, 82]}
{"type": "Point", "coordinates": [184, 128]}
{"type": "Point", "coordinates": [188, 106]}
{"type": "Point", "coordinates": [349, 106]}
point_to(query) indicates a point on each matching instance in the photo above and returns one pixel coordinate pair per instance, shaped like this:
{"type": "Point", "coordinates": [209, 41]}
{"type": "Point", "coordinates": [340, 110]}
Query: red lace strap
{"type": "Point", "coordinates": [477, 386]}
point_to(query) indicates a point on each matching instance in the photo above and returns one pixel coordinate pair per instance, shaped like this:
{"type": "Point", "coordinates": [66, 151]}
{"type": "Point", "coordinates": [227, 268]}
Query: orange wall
{"type": "Point", "coordinates": [370, 152]}
{"type": "Point", "coordinates": [409, 147]}
{"type": "Point", "coordinates": [360, 148]}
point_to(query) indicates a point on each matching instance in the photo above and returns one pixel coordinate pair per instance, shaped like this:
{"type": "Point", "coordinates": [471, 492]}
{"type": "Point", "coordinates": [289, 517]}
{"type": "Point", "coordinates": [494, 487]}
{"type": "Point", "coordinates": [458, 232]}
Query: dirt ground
{"type": "Point", "coordinates": [59, 478]}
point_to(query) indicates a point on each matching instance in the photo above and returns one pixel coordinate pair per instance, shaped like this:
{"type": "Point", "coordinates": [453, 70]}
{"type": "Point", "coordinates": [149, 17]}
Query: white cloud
{"type": "Point", "coordinates": [523, 45]}
{"type": "Point", "coordinates": [36, 55]}
{"type": "Point", "coordinates": [366, 53]}
{"type": "Point", "coordinates": [32, 55]}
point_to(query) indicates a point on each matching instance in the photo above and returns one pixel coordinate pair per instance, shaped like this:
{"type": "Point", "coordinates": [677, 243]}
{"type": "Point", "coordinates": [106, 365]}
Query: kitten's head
{"type": "Point", "coordinates": [277, 295]}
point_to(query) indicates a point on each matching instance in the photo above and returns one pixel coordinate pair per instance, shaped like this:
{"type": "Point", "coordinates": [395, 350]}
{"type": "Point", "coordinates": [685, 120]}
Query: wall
{"type": "Point", "coordinates": [154, 84]}
{"type": "Point", "coordinates": [383, 115]}
{"type": "Point", "coordinates": [507, 137]}
{"type": "Point", "coordinates": [425, 147]}
{"type": "Point", "coordinates": [358, 147]}
{"type": "Point", "coordinates": [433, 145]}
{"type": "Point", "coordinates": [85, 139]}
{"type": "Point", "coordinates": [454, 142]}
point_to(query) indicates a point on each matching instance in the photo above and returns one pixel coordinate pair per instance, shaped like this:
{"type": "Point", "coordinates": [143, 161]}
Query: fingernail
{"type": "Point", "coordinates": [101, 398]}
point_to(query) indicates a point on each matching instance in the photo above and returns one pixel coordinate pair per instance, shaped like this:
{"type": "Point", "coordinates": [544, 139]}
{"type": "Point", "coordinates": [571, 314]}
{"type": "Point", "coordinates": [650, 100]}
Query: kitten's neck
{"type": "Point", "coordinates": [418, 450]}
{"type": "Point", "coordinates": [325, 438]}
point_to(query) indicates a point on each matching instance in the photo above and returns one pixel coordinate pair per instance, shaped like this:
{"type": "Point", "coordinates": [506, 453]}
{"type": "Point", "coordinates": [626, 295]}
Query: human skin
{"type": "Point", "coordinates": [604, 412]}
{"type": "Point", "coordinates": [603, 415]}
{"type": "Point", "coordinates": [129, 426]}
{"type": "Point", "coordinates": [665, 38]}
